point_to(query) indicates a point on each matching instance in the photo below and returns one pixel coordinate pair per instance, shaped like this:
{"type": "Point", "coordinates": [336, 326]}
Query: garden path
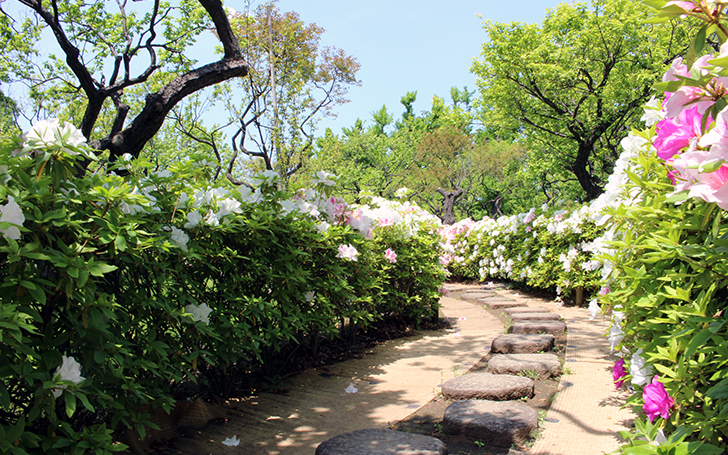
{"type": "Point", "coordinates": [396, 379]}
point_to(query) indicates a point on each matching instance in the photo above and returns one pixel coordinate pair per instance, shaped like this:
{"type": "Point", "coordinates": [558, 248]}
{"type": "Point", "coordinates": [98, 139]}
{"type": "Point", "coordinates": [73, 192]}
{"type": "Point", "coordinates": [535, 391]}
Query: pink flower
{"type": "Point", "coordinates": [675, 134]}
{"type": "Point", "coordinates": [618, 372]}
{"type": "Point", "coordinates": [390, 255]}
{"type": "Point", "coordinates": [604, 290]}
{"type": "Point", "coordinates": [657, 401]}
{"type": "Point", "coordinates": [688, 95]}
{"type": "Point", "coordinates": [385, 222]}
{"type": "Point", "coordinates": [348, 252]}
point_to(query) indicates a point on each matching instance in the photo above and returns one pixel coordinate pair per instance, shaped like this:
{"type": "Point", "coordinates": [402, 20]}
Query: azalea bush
{"type": "Point", "coordinates": [114, 291]}
{"type": "Point", "coordinates": [669, 281]}
{"type": "Point", "coordinates": [547, 248]}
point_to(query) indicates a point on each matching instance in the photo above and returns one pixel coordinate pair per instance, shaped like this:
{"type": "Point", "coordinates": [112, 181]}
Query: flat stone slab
{"type": "Point", "coordinates": [473, 295]}
{"type": "Point", "coordinates": [500, 303]}
{"type": "Point", "coordinates": [526, 309]}
{"type": "Point", "coordinates": [487, 386]}
{"type": "Point", "coordinates": [498, 423]}
{"type": "Point", "coordinates": [535, 317]}
{"type": "Point", "coordinates": [543, 365]}
{"type": "Point", "coordinates": [381, 442]}
{"type": "Point", "coordinates": [515, 343]}
{"type": "Point", "coordinates": [555, 328]}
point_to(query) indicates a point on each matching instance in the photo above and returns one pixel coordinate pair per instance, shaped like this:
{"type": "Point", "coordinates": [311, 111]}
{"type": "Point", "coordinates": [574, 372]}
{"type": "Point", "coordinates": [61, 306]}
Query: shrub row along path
{"type": "Point", "coordinates": [398, 385]}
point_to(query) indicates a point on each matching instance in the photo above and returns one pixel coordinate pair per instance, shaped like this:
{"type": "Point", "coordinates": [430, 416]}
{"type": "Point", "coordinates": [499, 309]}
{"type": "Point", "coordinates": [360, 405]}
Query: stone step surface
{"type": "Point", "coordinates": [522, 343]}
{"type": "Point", "coordinates": [498, 423]}
{"type": "Point", "coordinates": [555, 328]}
{"type": "Point", "coordinates": [499, 304]}
{"type": "Point", "coordinates": [526, 309]}
{"type": "Point", "coordinates": [543, 365]}
{"type": "Point", "coordinates": [473, 295]}
{"type": "Point", "coordinates": [487, 386]}
{"type": "Point", "coordinates": [381, 442]}
{"type": "Point", "coordinates": [534, 317]}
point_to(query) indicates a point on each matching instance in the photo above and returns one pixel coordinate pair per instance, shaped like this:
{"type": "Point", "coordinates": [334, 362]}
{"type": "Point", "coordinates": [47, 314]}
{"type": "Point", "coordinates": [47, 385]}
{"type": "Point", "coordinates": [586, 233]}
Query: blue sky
{"type": "Point", "coordinates": [408, 45]}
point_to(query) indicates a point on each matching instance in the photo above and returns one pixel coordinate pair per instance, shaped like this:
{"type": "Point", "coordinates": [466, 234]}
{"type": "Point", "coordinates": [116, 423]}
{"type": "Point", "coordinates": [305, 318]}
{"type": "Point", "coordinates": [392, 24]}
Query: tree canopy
{"type": "Point", "coordinates": [571, 87]}
{"type": "Point", "coordinates": [293, 82]}
{"type": "Point", "coordinates": [129, 65]}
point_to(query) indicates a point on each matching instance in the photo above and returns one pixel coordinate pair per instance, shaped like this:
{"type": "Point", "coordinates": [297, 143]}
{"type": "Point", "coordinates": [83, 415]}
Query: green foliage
{"type": "Point", "coordinates": [671, 282]}
{"type": "Point", "coordinates": [118, 273]}
{"type": "Point", "coordinates": [569, 86]}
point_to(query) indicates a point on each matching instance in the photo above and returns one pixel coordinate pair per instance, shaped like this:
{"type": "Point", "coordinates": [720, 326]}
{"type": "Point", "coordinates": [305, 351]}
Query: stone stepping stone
{"type": "Point", "coordinates": [500, 304]}
{"type": "Point", "coordinates": [474, 295]}
{"type": "Point", "coordinates": [497, 423]}
{"type": "Point", "coordinates": [487, 386]}
{"type": "Point", "coordinates": [526, 309]}
{"type": "Point", "coordinates": [514, 343]}
{"type": "Point", "coordinates": [381, 442]}
{"type": "Point", "coordinates": [555, 328]}
{"type": "Point", "coordinates": [541, 365]}
{"type": "Point", "coordinates": [534, 317]}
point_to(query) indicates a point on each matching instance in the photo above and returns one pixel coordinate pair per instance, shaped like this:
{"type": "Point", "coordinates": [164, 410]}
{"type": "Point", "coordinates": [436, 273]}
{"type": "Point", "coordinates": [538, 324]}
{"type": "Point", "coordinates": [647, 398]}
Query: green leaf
{"type": "Point", "coordinates": [718, 391]}
{"type": "Point", "coordinates": [85, 402]}
{"type": "Point", "coordinates": [669, 86]}
{"type": "Point", "coordinates": [120, 243]}
{"type": "Point", "coordinates": [70, 399]}
{"type": "Point", "coordinates": [100, 268]}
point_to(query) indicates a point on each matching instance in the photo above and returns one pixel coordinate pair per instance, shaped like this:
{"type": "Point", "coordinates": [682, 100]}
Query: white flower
{"type": "Point", "coordinates": [193, 219]}
{"type": "Point", "coordinates": [324, 178]}
{"type": "Point", "coordinates": [50, 133]}
{"type": "Point", "coordinates": [351, 389]}
{"type": "Point", "coordinates": [70, 370]}
{"type": "Point", "coordinates": [212, 218]}
{"type": "Point", "coordinates": [228, 206]}
{"type": "Point", "coordinates": [641, 373]}
{"type": "Point", "coordinates": [232, 442]}
{"type": "Point", "coordinates": [615, 335]}
{"type": "Point", "coordinates": [126, 157]}
{"type": "Point", "coordinates": [592, 265]}
{"type": "Point", "coordinates": [200, 313]}
{"type": "Point", "coordinates": [348, 252]}
{"type": "Point", "coordinates": [323, 226]}
{"type": "Point", "coordinates": [402, 192]}
{"type": "Point", "coordinates": [11, 213]}
{"type": "Point", "coordinates": [180, 238]}
{"type": "Point", "coordinates": [309, 296]}
{"type": "Point", "coordinates": [653, 112]}
{"type": "Point", "coordinates": [593, 309]}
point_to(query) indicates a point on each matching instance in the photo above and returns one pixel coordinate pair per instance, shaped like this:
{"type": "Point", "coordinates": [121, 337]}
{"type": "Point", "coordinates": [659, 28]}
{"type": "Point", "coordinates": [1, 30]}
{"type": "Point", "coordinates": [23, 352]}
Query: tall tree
{"type": "Point", "coordinates": [571, 87]}
{"type": "Point", "coordinates": [292, 83]}
{"type": "Point", "coordinates": [107, 54]}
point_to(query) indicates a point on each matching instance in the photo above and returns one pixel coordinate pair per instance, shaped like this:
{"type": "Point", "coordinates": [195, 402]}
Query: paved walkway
{"type": "Point", "coordinates": [587, 413]}
{"type": "Point", "coordinates": [395, 379]}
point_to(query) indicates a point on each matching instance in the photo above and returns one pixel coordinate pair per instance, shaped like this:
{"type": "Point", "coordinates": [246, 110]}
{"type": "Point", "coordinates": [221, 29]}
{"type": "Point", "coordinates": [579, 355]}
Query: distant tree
{"type": "Point", "coordinates": [293, 82]}
{"type": "Point", "coordinates": [570, 87]}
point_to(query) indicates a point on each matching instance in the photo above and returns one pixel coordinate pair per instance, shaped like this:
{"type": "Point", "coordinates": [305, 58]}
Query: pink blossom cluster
{"type": "Point", "coordinates": [688, 138]}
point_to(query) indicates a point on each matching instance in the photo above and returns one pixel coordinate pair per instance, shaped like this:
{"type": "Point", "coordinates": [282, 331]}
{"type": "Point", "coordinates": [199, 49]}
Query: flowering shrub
{"type": "Point", "coordinates": [114, 290]}
{"type": "Point", "coordinates": [544, 248]}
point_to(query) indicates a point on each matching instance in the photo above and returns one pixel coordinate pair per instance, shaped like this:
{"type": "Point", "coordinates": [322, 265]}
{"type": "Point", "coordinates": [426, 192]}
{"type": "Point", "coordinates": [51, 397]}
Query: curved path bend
{"type": "Point", "coordinates": [393, 380]}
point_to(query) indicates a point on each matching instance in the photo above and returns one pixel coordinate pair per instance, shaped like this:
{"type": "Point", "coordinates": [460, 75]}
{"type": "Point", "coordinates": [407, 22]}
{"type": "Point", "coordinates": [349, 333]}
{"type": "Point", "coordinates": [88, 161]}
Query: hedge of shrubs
{"type": "Point", "coordinates": [116, 290]}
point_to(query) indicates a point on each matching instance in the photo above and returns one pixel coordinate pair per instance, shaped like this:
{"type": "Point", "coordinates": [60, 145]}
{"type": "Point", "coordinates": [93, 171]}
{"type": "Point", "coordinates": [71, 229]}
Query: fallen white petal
{"type": "Point", "coordinates": [351, 388]}
{"type": "Point", "coordinates": [232, 442]}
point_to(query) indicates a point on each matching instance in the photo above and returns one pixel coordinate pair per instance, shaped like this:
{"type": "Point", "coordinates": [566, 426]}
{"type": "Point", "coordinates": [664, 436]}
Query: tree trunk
{"type": "Point", "coordinates": [448, 204]}
{"type": "Point", "coordinates": [585, 178]}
